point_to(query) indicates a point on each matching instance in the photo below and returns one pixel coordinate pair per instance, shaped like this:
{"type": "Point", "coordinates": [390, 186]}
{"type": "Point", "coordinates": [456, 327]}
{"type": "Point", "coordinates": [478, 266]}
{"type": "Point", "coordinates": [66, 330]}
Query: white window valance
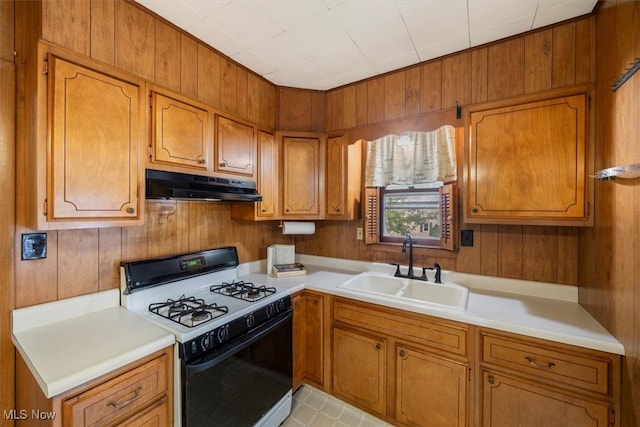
{"type": "Point", "coordinates": [412, 158]}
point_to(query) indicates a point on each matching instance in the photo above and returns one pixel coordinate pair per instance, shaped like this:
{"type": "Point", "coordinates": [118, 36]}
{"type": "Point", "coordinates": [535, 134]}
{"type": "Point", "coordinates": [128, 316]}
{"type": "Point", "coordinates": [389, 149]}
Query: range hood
{"type": "Point", "coordinates": [182, 186]}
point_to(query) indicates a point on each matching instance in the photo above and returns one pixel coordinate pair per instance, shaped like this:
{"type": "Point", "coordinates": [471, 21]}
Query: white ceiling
{"type": "Point", "coordinates": [323, 44]}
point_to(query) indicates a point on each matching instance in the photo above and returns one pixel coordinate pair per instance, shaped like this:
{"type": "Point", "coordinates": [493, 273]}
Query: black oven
{"type": "Point", "coordinates": [243, 377]}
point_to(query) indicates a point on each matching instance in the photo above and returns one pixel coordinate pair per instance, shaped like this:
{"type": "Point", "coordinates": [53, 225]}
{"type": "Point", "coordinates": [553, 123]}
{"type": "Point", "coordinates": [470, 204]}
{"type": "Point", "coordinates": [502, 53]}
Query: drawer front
{"type": "Point", "coordinates": [119, 397]}
{"type": "Point", "coordinates": [571, 368]}
{"type": "Point", "coordinates": [408, 326]}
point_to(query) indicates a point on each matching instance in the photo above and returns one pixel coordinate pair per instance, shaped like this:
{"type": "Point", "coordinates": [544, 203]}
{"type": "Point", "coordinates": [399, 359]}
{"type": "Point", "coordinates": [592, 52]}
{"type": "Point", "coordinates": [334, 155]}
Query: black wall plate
{"type": "Point", "coordinates": [34, 246]}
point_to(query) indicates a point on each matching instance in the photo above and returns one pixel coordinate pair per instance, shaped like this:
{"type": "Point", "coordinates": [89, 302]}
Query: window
{"type": "Point", "coordinates": [415, 212]}
{"type": "Point", "coordinates": [427, 214]}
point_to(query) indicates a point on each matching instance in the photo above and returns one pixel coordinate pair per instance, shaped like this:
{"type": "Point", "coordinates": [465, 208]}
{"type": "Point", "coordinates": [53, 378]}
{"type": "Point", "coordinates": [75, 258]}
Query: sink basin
{"type": "Point", "coordinates": [447, 295]}
{"type": "Point", "coordinates": [374, 283]}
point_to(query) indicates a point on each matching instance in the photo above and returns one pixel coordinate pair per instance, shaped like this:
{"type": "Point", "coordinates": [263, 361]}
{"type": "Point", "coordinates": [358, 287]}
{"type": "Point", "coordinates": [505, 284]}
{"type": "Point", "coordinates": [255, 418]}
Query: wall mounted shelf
{"type": "Point", "coordinates": [626, 172]}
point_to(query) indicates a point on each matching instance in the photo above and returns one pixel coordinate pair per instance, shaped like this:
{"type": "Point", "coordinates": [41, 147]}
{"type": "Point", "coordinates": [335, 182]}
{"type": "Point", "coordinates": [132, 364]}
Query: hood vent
{"type": "Point", "coordinates": [182, 186]}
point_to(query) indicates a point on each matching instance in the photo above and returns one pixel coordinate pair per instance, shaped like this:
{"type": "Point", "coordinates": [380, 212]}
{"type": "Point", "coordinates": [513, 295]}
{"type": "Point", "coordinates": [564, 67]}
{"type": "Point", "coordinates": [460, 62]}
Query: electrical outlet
{"type": "Point", "coordinates": [359, 233]}
{"type": "Point", "coordinates": [466, 237]}
{"type": "Point", "coordinates": [34, 246]}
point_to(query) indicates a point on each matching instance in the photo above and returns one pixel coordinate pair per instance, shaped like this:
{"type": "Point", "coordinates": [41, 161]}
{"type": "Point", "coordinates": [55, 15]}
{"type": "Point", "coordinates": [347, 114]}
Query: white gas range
{"type": "Point", "coordinates": [234, 338]}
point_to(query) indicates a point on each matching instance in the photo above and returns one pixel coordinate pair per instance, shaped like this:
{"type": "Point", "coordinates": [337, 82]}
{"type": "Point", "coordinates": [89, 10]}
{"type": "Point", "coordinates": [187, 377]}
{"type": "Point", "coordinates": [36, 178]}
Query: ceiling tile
{"type": "Point", "coordinates": [552, 12]}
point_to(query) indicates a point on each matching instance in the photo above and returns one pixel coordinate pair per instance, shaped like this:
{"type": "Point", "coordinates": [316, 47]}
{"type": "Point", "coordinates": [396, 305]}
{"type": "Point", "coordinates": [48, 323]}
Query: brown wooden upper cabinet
{"type": "Point", "coordinates": [343, 178]}
{"type": "Point", "coordinates": [84, 152]}
{"type": "Point", "coordinates": [302, 175]}
{"type": "Point", "coordinates": [236, 147]}
{"type": "Point", "coordinates": [180, 131]}
{"type": "Point", "coordinates": [527, 161]}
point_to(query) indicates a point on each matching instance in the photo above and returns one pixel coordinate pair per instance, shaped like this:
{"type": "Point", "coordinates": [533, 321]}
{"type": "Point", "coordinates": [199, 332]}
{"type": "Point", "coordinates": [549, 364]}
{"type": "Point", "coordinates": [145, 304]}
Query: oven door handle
{"type": "Point", "coordinates": [232, 347]}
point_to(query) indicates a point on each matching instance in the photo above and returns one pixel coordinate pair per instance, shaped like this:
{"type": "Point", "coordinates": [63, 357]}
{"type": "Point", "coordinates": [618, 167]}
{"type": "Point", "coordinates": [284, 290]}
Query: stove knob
{"type": "Point", "coordinates": [270, 310]}
{"type": "Point", "coordinates": [223, 334]}
{"type": "Point", "coordinates": [205, 342]}
{"type": "Point", "coordinates": [250, 320]}
{"type": "Point", "coordinates": [194, 347]}
{"type": "Point", "coordinates": [279, 306]}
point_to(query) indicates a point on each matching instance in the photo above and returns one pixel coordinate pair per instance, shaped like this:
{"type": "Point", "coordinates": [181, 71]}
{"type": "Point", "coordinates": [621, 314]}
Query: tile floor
{"type": "Point", "coordinates": [314, 408]}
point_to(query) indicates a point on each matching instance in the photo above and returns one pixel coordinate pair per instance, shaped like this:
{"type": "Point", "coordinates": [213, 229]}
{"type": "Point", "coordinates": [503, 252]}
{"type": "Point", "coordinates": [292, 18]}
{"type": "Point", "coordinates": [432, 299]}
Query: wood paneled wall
{"type": "Point", "coordinates": [7, 213]}
{"type": "Point", "coordinates": [609, 254]}
{"type": "Point", "coordinates": [554, 57]}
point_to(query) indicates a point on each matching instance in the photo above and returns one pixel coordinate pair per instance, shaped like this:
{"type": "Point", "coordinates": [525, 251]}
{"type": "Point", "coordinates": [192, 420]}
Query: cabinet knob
{"type": "Point", "coordinates": [201, 161]}
{"type": "Point", "coordinates": [130, 210]}
{"type": "Point", "coordinates": [223, 164]}
{"type": "Point", "coordinates": [378, 346]}
{"type": "Point", "coordinates": [474, 210]}
{"type": "Point", "coordinates": [402, 353]}
{"type": "Point", "coordinates": [263, 210]}
{"type": "Point", "coordinates": [491, 380]}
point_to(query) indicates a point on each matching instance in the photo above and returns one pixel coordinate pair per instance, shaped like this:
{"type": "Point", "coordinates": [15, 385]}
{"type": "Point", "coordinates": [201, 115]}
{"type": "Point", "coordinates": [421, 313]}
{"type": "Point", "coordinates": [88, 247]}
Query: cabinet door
{"type": "Point", "coordinates": [308, 332]}
{"type": "Point", "coordinates": [302, 164]}
{"type": "Point", "coordinates": [343, 178]}
{"type": "Point", "coordinates": [268, 175]}
{"type": "Point", "coordinates": [430, 390]}
{"type": "Point", "coordinates": [359, 369]}
{"type": "Point", "coordinates": [507, 401]}
{"type": "Point", "coordinates": [527, 163]}
{"type": "Point", "coordinates": [94, 134]}
{"type": "Point", "coordinates": [180, 132]}
{"type": "Point", "coordinates": [235, 147]}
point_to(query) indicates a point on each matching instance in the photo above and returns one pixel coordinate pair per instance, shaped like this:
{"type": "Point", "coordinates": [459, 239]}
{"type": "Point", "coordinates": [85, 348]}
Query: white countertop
{"type": "Point", "coordinates": [69, 342]}
{"type": "Point", "coordinates": [541, 310]}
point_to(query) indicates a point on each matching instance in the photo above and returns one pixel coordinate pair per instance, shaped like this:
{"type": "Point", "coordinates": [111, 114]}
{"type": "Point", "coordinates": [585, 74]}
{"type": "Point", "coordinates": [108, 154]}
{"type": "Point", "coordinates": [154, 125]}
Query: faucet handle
{"type": "Point", "coordinates": [424, 273]}
{"type": "Point", "coordinates": [397, 273]}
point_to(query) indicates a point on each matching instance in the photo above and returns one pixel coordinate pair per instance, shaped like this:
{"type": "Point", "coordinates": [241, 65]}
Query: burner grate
{"type": "Point", "coordinates": [188, 311]}
{"type": "Point", "coordinates": [246, 291]}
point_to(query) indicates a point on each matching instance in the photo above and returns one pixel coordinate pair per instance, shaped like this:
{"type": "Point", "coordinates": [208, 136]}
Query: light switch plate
{"type": "Point", "coordinates": [34, 246]}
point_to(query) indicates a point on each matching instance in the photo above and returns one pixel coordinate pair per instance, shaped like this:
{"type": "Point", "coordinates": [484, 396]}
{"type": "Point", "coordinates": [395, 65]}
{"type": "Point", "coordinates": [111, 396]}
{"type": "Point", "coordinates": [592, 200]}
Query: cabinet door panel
{"type": "Point", "coordinates": [94, 144]}
{"type": "Point", "coordinates": [507, 402]}
{"type": "Point", "coordinates": [529, 162]}
{"type": "Point", "coordinates": [301, 176]}
{"type": "Point", "coordinates": [359, 369]}
{"type": "Point", "coordinates": [430, 390]}
{"type": "Point", "coordinates": [181, 133]}
{"type": "Point", "coordinates": [236, 147]}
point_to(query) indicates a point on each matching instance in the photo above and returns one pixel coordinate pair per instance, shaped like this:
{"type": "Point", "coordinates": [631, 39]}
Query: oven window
{"type": "Point", "coordinates": [242, 388]}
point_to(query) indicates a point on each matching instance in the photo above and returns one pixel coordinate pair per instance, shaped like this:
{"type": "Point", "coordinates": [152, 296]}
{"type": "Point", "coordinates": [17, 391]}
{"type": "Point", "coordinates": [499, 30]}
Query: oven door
{"type": "Point", "coordinates": [242, 381]}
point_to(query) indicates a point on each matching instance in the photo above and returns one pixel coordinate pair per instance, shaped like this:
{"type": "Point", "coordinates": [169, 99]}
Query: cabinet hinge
{"type": "Point", "coordinates": [469, 374]}
{"type": "Point", "coordinates": [44, 207]}
{"type": "Point", "coordinates": [589, 101]}
{"type": "Point", "coordinates": [45, 67]}
{"type": "Point", "coordinates": [150, 151]}
{"type": "Point", "coordinates": [613, 417]}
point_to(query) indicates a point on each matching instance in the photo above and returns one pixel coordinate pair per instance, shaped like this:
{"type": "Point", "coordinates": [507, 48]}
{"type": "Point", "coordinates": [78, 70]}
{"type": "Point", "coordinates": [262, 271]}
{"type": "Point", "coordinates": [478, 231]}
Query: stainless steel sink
{"type": "Point", "coordinates": [447, 295]}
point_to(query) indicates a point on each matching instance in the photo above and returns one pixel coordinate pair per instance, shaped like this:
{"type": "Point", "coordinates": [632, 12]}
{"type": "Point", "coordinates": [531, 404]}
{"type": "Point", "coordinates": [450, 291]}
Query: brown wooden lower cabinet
{"type": "Point", "coordinates": [139, 394]}
{"type": "Point", "coordinates": [404, 367]}
{"type": "Point", "coordinates": [532, 382]}
{"type": "Point", "coordinates": [418, 370]}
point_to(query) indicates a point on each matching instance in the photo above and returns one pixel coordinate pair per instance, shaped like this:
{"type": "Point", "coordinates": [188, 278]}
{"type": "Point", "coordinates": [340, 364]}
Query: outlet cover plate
{"type": "Point", "coordinates": [466, 237]}
{"type": "Point", "coordinates": [34, 246]}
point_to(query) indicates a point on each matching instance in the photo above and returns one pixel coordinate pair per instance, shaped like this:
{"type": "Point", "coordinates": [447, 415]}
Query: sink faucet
{"type": "Point", "coordinates": [437, 279]}
{"type": "Point", "coordinates": [409, 239]}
